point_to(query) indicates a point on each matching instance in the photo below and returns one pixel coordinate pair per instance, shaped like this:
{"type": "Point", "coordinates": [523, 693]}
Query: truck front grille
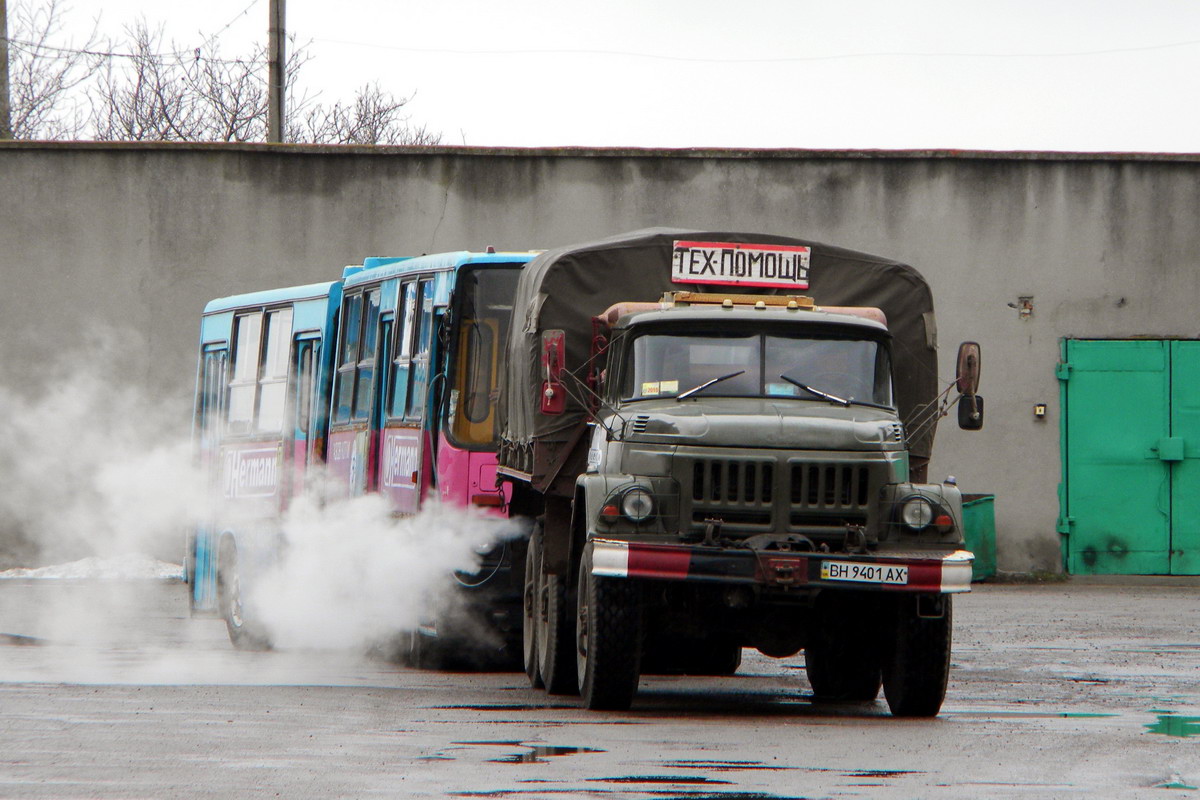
{"type": "Point", "coordinates": [733, 482]}
{"type": "Point", "coordinates": [819, 499]}
{"type": "Point", "coordinates": [829, 486]}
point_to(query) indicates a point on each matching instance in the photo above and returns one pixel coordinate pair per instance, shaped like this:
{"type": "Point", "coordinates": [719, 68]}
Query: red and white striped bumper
{"type": "Point", "coordinates": [893, 572]}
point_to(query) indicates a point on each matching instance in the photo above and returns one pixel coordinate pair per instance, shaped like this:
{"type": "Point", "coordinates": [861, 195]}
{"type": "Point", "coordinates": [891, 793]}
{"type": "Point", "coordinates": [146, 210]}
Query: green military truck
{"type": "Point", "coordinates": [724, 439]}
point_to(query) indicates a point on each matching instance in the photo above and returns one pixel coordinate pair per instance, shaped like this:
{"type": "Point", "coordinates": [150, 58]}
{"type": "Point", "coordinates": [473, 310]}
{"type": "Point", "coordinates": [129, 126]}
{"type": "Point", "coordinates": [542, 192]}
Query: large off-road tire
{"type": "Point", "coordinates": [529, 603]}
{"type": "Point", "coordinates": [843, 655]}
{"type": "Point", "coordinates": [608, 638]}
{"type": "Point", "coordinates": [244, 632]}
{"type": "Point", "coordinates": [917, 667]}
{"type": "Point", "coordinates": [555, 630]}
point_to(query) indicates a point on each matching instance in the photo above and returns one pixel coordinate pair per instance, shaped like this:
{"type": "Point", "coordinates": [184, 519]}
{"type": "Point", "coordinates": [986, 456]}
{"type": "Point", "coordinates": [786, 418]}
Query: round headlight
{"type": "Point", "coordinates": [637, 504]}
{"type": "Point", "coordinates": [917, 513]}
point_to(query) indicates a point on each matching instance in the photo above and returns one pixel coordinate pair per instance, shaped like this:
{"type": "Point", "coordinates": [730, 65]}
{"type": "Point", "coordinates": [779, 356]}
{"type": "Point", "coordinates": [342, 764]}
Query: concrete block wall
{"type": "Point", "coordinates": [139, 236]}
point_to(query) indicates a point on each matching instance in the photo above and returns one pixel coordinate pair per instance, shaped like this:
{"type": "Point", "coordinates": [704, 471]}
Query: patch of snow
{"type": "Point", "coordinates": [133, 566]}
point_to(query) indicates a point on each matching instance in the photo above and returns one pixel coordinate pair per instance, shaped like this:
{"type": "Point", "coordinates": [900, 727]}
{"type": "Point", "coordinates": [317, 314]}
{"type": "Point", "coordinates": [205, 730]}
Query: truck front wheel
{"type": "Point", "coordinates": [841, 657]}
{"type": "Point", "coordinates": [608, 635]}
{"type": "Point", "coordinates": [917, 667]}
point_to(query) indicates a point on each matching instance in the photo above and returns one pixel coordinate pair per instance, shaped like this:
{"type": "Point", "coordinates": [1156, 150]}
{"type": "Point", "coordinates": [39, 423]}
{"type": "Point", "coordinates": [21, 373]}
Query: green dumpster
{"type": "Point", "coordinates": [979, 529]}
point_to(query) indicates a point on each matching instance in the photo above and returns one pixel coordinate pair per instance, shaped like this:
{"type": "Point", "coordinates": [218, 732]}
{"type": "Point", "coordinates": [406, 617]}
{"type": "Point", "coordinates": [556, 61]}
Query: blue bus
{"type": "Point", "coordinates": [386, 382]}
{"type": "Point", "coordinates": [261, 416]}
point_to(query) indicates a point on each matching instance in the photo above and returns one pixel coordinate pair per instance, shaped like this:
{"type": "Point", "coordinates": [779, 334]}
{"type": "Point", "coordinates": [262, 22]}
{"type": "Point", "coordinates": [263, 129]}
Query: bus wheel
{"type": "Point", "coordinates": [529, 603]}
{"type": "Point", "coordinates": [841, 656]}
{"type": "Point", "coordinates": [555, 630]}
{"type": "Point", "coordinates": [608, 624]}
{"type": "Point", "coordinates": [244, 634]}
{"type": "Point", "coordinates": [917, 668]}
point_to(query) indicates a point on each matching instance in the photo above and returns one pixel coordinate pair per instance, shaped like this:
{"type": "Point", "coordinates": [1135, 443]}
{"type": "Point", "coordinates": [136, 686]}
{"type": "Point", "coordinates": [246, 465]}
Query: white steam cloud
{"type": "Point", "coordinates": [351, 573]}
{"type": "Point", "coordinates": [94, 469]}
{"type": "Point", "coordinates": [90, 466]}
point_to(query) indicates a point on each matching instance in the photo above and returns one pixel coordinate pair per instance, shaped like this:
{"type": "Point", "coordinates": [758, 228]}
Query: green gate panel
{"type": "Point", "coordinates": [1185, 478]}
{"type": "Point", "coordinates": [1118, 493]}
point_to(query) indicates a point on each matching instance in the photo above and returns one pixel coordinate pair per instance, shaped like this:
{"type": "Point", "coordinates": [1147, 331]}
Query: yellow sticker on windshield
{"type": "Point", "coordinates": [668, 386]}
{"type": "Point", "coordinates": [650, 388]}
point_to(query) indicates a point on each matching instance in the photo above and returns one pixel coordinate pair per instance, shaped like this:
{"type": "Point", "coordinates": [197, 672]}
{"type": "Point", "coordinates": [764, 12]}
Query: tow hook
{"type": "Point", "coordinates": [785, 573]}
{"type": "Point", "coordinates": [712, 531]}
{"type": "Point", "coordinates": [856, 539]}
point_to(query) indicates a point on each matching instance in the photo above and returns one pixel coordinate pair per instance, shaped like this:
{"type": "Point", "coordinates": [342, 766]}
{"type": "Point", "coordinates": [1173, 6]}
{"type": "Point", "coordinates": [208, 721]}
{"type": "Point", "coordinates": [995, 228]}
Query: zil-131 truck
{"type": "Point", "coordinates": [724, 439]}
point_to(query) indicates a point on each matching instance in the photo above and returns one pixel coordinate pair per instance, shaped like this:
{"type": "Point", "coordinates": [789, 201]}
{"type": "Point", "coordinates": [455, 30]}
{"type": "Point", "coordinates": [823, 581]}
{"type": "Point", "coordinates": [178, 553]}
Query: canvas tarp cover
{"type": "Point", "coordinates": [564, 289]}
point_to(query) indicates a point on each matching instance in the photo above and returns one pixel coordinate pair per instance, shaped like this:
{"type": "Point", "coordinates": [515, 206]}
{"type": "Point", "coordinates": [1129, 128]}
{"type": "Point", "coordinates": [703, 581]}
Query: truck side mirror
{"type": "Point", "coordinates": [970, 412]}
{"type": "Point", "coordinates": [967, 373]}
{"type": "Point", "coordinates": [554, 395]}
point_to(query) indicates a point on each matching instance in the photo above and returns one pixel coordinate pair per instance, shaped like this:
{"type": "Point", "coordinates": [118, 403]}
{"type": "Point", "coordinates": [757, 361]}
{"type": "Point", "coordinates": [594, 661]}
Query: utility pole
{"type": "Point", "coordinates": [277, 72]}
{"type": "Point", "coordinates": [5, 109]}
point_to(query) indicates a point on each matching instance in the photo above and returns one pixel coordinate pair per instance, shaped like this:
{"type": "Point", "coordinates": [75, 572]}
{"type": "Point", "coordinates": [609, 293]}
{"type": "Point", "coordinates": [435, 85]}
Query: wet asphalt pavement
{"type": "Point", "coordinates": [1062, 690]}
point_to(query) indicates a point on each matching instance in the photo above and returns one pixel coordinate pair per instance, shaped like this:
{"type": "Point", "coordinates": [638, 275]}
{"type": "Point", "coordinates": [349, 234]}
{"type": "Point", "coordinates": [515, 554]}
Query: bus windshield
{"type": "Point", "coordinates": [484, 308]}
{"type": "Point", "coordinates": [802, 366]}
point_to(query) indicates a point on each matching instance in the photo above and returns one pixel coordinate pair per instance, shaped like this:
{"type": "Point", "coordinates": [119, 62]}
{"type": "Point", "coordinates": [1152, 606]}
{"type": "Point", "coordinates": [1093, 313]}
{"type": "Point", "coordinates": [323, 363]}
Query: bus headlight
{"type": "Point", "coordinates": [637, 504]}
{"type": "Point", "coordinates": [916, 512]}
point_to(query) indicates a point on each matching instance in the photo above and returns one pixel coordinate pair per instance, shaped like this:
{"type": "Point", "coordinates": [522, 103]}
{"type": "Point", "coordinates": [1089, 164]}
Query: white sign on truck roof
{"type": "Point", "coordinates": [730, 264]}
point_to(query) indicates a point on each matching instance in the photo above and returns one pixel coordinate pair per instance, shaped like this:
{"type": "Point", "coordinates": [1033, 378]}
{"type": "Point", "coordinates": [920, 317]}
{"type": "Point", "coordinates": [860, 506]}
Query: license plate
{"type": "Point", "coordinates": [863, 573]}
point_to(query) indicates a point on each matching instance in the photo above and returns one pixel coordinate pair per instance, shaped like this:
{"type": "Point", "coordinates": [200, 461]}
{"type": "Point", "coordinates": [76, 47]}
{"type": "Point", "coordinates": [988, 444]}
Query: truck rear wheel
{"type": "Point", "coordinates": [529, 603]}
{"type": "Point", "coordinates": [243, 632]}
{"type": "Point", "coordinates": [553, 626]}
{"type": "Point", "coordinates": [917, 667]}
{"type": "Point", "coordinates": [608, 634]}
{"type": "Point", "coordinates": [555, 634]}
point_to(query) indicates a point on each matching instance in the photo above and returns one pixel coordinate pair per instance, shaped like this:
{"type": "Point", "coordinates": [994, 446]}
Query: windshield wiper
{"type": "Point", "coordinates": [708, 383]}
{"type": "Point", "coordinates": [823, 395]}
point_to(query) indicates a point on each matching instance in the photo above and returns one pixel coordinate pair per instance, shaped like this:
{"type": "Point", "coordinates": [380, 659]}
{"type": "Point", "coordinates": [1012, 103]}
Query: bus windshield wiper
{"type": "Point", "coordinates": [708, 383]}
{"type": "Point", "coordinates": [823, 395]}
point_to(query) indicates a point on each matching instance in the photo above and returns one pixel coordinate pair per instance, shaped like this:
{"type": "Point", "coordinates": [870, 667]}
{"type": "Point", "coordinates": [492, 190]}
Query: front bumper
{"type": "Point", "coordinates": [944, 572]}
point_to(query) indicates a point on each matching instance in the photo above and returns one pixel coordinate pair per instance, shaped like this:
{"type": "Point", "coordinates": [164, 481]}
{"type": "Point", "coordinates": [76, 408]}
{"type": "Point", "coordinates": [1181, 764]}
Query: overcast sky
{"type": "Point", "coordinates": [1037, 75]}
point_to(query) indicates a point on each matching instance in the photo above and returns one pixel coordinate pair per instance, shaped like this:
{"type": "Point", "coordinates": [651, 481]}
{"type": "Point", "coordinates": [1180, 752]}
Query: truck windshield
{"type": "Point", "coordinates": [668, 365]}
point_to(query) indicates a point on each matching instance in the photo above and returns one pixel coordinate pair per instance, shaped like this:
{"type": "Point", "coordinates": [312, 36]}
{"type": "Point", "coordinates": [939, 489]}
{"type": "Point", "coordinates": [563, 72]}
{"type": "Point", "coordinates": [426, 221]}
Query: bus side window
{"type": "Point", "coordinates": [420, 366]}
{"type": "Point", "coordinates": [243, 388]}
{"type": "Point", "coordinates": [476, 379]}
{"type": "Point", "coordinates": [364, 393]}
{"type": "Point", "coordinates": [272, 385]}
{"type": "Point", "coordinates": [347, 357]}
{"type": "Point", "coordinates": [305, 388]}
{"type": "Point", "coordinates": [211, 402]}
{"type": "Point", "coordinates": [405, 327]}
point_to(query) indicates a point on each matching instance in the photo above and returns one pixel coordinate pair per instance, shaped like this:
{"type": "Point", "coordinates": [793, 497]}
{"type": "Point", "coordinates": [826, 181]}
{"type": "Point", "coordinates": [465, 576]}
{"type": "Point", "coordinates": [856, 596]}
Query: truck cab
{"type": "Point", "coordinates": [767, 423]}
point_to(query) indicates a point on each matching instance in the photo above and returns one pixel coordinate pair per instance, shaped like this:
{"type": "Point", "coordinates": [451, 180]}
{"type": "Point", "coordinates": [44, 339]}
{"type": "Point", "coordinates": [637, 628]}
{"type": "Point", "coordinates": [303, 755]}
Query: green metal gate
{"type": "Point", "coordinates": [1131, 457]}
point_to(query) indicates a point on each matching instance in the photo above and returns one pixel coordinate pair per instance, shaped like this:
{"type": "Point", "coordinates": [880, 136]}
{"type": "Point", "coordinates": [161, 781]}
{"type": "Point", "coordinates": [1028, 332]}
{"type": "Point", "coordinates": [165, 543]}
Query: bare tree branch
{"type": "Point", "coordinates": [147, 97]}
{"type": "Point", "coordinates": [42, 75]}
{"type": "Point", "coordinates": [375, 117]}
{"type": "Point", "coordinates": [141, 89]}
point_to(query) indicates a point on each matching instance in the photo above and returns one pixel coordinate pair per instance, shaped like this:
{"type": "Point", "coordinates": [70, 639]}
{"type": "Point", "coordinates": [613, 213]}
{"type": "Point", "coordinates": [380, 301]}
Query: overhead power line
{"type": "Point", "coordinates": [186, 54]}
{"type": "Point", "coordinates": [67, 52]}
{"type": "Point", "coordinates": [761, 60]}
